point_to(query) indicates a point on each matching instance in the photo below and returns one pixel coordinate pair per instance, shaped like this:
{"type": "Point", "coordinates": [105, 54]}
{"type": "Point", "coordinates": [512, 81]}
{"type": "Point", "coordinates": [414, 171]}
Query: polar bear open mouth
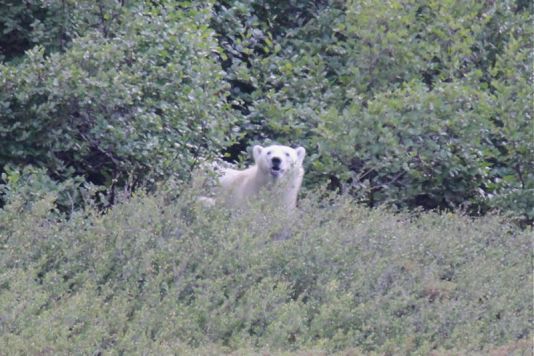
{"type": "Point", "coordinates": [277, 172]}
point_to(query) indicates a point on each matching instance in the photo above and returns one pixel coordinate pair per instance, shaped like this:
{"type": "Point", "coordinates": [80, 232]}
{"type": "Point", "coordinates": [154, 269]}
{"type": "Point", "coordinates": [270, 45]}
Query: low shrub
{"type": "Point", "coordinates": [159, 273]}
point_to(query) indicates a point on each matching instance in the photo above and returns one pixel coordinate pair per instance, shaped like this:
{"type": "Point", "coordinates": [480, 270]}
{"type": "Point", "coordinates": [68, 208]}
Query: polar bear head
{"type": "Point", "coordinates": [277, 160]}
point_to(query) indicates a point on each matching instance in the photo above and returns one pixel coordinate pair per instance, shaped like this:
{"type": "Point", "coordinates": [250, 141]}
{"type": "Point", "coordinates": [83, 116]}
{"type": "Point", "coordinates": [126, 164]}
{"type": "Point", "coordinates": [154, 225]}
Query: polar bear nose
{"type": "Point", "coordinates": [276, 162]}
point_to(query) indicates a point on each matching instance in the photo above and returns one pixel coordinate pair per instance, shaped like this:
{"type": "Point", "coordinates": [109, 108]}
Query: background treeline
{"type": "Point", "coordinates": [412, 103]}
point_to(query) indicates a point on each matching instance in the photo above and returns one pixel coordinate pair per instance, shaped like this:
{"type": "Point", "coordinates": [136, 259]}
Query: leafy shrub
{"type": "Point", "coordinates": [31, 185]}
{"type": "Point", "coordinates": [160, 273]}
{"type": "Point", "coordinates": [53, 24]}
{"type": "Point", "coordinates": [121, 111]}
{"type": "Point", "coordinates": [412, 103]}
{"type": "Point", "coordinates": [375, 91]}
{"type": "Point", "coordinates": [412, 147]}
{"type": "Point", "coordinates": [512, 184]}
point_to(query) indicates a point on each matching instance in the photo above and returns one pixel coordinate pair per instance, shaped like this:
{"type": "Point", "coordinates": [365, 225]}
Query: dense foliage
{"type": "Point", "coordinates": [417, 103]}
{"type": "Point", "coordinates": [159, 274]}
{"type": "Point", "coordinates": [411, 103]}
{"type": "Point", "coordinates": [107, 107]}
{"type": "Point", "coordinates": [120, 110]}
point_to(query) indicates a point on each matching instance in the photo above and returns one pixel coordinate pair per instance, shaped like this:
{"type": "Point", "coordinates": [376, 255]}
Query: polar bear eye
{"type": "Point", "coordinates": [287, 154]}
{"type": "Point", "coordinates": [269, 153]}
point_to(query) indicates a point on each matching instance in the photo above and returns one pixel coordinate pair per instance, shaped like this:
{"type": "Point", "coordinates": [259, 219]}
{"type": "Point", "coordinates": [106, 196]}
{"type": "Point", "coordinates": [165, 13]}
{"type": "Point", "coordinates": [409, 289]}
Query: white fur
{"type": "Point", "coordinates": [283, 179]}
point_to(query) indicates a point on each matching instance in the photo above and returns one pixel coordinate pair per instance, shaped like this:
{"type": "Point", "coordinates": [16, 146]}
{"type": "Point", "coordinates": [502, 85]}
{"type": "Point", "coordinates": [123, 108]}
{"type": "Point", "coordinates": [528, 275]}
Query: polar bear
{"type": "Point", "coordinates": [276, 168]}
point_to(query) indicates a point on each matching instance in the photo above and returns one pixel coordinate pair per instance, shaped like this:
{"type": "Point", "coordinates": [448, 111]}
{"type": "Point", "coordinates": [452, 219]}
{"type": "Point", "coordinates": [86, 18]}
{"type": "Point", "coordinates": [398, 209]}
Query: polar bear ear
{"type": "Point", "coordinates": [256, 152]}
{"type": "Point", "coordinates": [301, 152]}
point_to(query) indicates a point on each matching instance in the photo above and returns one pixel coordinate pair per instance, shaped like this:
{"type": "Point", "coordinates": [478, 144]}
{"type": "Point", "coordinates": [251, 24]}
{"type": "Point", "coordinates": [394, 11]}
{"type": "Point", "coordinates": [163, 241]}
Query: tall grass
{"type": "Point", "coordinates": [161, 274]}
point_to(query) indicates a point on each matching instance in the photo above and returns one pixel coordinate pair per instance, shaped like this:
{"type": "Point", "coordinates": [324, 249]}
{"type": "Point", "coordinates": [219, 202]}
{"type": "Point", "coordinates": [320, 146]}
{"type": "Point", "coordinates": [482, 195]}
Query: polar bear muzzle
{"type": "Point", "coordinates": [276, 169]}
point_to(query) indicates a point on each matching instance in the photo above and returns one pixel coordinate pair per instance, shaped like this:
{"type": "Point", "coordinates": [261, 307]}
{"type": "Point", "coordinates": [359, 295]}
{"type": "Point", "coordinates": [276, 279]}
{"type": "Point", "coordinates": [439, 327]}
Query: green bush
{"type": "Point", "coordinates": [410, 147]}
{"type": "Point", "coordinates": [126, 93]}
{"type": "Point", "coordinates": [512, 183]}
{"type": "Point", "coordinates": [122, 111]}
{"type": "Point", "coordinates": [161, 274]}
{"type": "Point", "coordinates": [413, 103]}
{"type": "Point", "coordinates": [53, 24]}
{"type": "Point", "coordinates": [33, 184]}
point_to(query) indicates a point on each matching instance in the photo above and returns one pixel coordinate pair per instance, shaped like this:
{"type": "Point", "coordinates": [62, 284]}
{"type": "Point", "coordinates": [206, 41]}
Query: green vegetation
{"type": "Point", "coordinates": [160, 273]}
{"type": "Point", "coordinates": [410, 103]}
{"type": "Point", "coordinates": [419, 109]}
{"type": "Point", "coordinates": [122, 110]}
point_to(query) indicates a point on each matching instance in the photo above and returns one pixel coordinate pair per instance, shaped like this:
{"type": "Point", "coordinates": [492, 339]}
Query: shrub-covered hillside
{"type": "Point", "coordinates": [159, 274]}
{"type": "Point", "coordinates": [414, 232]}
{"type": "Point", "coordinates": [407, 102]}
